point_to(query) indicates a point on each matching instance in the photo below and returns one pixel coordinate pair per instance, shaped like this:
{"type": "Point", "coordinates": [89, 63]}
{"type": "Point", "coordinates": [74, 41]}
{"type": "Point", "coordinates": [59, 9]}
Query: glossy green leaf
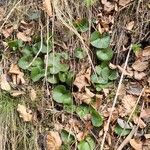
{"type": "Point", "coordinates": [80, 53]}
{"type": "Point", "coordinates": [15, 44]}
{"type": "Point", "coordinates": [37, 73]}
{"type": "Point", "coordinates": [38, 62]}
{"type": "Point", "coordinates": [113, 75]}
{"type": "Point", "coordinates": [63, 67]}
{"type": "Point", "coordinates": [104, 54]}
{"type": "Point", "coordinates": [66, 137]}
{"type": "Point", "coordinates": [27, 51]}
{"type": "Point", "coordinates": [52, 79]}
{"type": "Point", "coordinates": [105, 73]}
{"type": "Point", "coordinates": [97, 119]}
{"type": "Point", "coordinates": [120, 131]}
{"type": "Point", "coordinates": [61, 95]}
{"type": "Point", "coordinates": [25, 61]}
{"type": "Point", "coordinates": [83, 110]}
{"type": "Point", "coordinates": [54, 69]}
{"type": "Point", "coordinates": [98, 69]}
{"type": "Point", "coordinates": [99, 41]}
{"type": "Point", "coordinates": [98, 79]}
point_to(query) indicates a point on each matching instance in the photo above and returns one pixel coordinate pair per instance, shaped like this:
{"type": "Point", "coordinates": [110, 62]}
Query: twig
{"type": "Point", "coordinates": [127, 139]}
{"type": "Point", "coordinates": [115, 100]}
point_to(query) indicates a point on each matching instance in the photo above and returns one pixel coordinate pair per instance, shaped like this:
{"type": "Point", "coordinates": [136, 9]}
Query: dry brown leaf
{"type": "Point", "coordinates": [15, 93]}
{"type": "Point", "coordinates": [140, 65]}
{"type": "Point", "coordinates": [125, 72]}
{"type": "Point", "coordinates": [53, 141]}
{"type": "Point", "coordinates": [14, 69]}
{"type": "Point", "coordinates": [139, 75]}
{"type": "Point", "coordinates": [124, 2]}
{"type": "Point", "coordinates": [108, 6]}
{"type": "Point", "coordinates": [130, 25]}
{"type": "Point", "coordinates": [7, 32]}
{"type": "Point", "coordinates": [136, 144]}
{"type": "Point", "coordinates": [139, 121]}
{"type": "Point", "coordinates": [22, 36]}
{"type": "Point", "coordinates": [85, 97]}
{"type": "Point", "coordinates": [146, 52]}
{"type": "Point", "coordinates": [20, 78]}
{"type": "Point", "coordinates": [32, 94]}
{"type": "Point", "coordinates": [48, 7]}
{"type": "Point", "coordinates": [129, 102]}
{"type": "Point", "coordinates": [83, 79]}
{"type": "Point", "coordinates": [4, 84]}
{"type": "Point", "coordinates": [112, 66]}
{"type": "Point", "coordinates": [25, 113]}
{"type": "Point", "coordinates": [145, 114]}
{"type": "Point", "coordinates": [147, 136]}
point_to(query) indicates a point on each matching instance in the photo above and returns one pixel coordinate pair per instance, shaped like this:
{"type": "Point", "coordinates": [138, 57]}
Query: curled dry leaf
{"type": "Point", "coordinates": [85, 97]}
{"type": "Point", "coordinates": [22, 36]}
{"type": "Point", "coordinates": [139, 75]}
{"type": "Point", "coordinates": [53, 141]}
{"type": "Point", "coordinates": [129, 102]}
{"type": "Point", "coordinates": [7, 32]}
{"type": "Point", "coordinates": [136, 144]}
{"type": "Point", "coordinates": [4, 84]}
{"type": "Point", "coordinates": [139, 121]}
{"type": "Point", "coordinates": [14, 69]}
{"type": "Point", "coordinates": [140, 65]}
{"type": "Point", "coordinates": [83, 79]}
{"type": "Point", "coordinates": [48, 7]}
{"type": "Point", "coordinates": [130, 25]}
{"type": "Point", "coordinates": [25, 113]}
{"type": "Point", "coordinates": [125, 72]}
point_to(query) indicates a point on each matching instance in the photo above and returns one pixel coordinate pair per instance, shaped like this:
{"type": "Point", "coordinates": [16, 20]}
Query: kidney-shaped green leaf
{"type": "Point", "coordinates": [61, 95]}
{"type": "Point", "coordinates": [99, 41]}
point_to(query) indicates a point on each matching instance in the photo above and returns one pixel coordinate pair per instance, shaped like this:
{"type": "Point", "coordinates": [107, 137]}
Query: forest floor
{"type": "Point", "coordinates": [74, 75]}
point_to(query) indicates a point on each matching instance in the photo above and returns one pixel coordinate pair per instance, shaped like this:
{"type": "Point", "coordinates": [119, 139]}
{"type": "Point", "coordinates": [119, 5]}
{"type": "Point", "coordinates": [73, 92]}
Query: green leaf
{"type": "Point", "coordinates": [120, 131]}
{"type": "Point", "coordinates": [97, 119]}
{"type": "Point", "coordinates": [98, 69]}
{"type": "Point", "coordinates": [63, 67]}
{"type": "Point", "coordinates": [38, 62]}
{"type": "Point", "coordinates": [99, 41]}
{"type": "Point", "coordinates": [98, 79]}
{"type": "Point", "coordinates": [105, 73]}
{"type": "Point", "coordinates": [70, 108]}
{"type": "Point", "coordinates": [24, 61]}
{"type": "Point", "coordinates": [15, 44]}
{"type": "Point", "coordinates": [37, 73]}
{"type": "Point", "coordinates": [52, 79]}
{"type": "Point", "coordinates": [89, 2]}
{"type": "Point", "coordinates": [113, 75]}
{"type": "Point", "coordinates": [80, 53]}
{"type": "Point", "coordinates": [61, 95]}
{"type": "Point", "coordinates": [62, 76]}
{"type": "Point", "coordinates": [37, 47]}
{"type": "Point", "coordinates": [54, 59]}
{"type": "Point", "coordinates": [87, 144]}
{"type": "Point", "coordinates": [105, 54]}
{"type": "Point", "coordinates": [27, 51]}
{"type": "Point", "coordinates": [82, 110]}
{"type": "Point", "coordinates": [91, 142]}
{"type": "Point", "coordinates": [66, 137]}
{"type": "Point", "coordinates": [136, 48]}
{"type": "Point", "coordinates": [82, 25]}
{"type": "Point", "coordinates": [54, 69]}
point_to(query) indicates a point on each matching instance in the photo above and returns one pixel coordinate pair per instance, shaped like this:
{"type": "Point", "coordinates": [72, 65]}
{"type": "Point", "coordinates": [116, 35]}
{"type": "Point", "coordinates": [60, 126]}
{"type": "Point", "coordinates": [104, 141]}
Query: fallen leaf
{"type": "Point", "coordinates": [22, 36]}
{"type": "Point", "coordinates": [25, 113]}
{"type": "Point", "coordinates": [136, 144]}
{"type": "Point", "coordinates": [147, 136]}
{"type": "Point", "coordinates": [129, 102]}
{"type": "Point", "coordinates": [80, 136]}
{"type": "Point", "coordinates": [48, 7]}
{"type": "Point", "coordinates": [125, 72]}
{"type": "Point", "coordinates": [139, 121]}
{"type": "Point", "coordinates": [53, 141]}
{"type": "Point", "coordinates": [32, 94]}
{"type": "Point", "coordinates": [4, 84]}
{"type": "Point", "coordinates": [108, 6]}
{"type": "Point", "coordinates": [124, 2]}
{"type": "Point", "coordinates": [146, 52]}
{"type": "Point", "coordinates": [130, 25]}
{"type": "Point", "coordinates": [145, 114]}
{"type": "Point", "coordinates": [83, 79]}
{"type": "Point", "coordinates": [7, 32]}
{"type": "Point", "coordinates": [140, 65]}
{"type": "Point", "coordinates": [85, 97]}
{"type": "Point", "coordinates": [139, 75]}
{"type": "Point", "coordinates": [16, 93]}
{"type": "Point", "coordinates": [14, 69]}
